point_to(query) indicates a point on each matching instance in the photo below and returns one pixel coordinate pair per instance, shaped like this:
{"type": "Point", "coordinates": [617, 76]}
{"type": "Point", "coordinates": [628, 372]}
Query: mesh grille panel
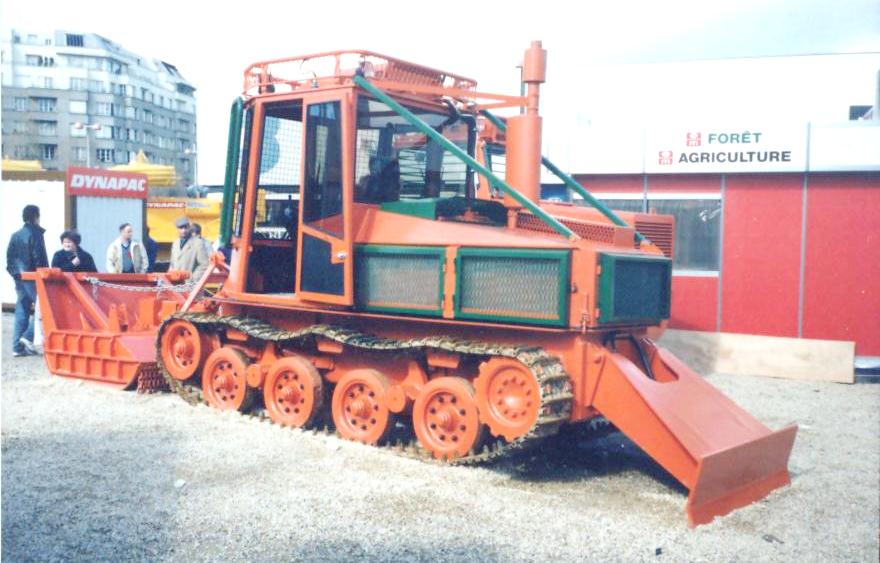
{"type": "Point", "coordinates": [584, 229]}
{"type": "Point", "coordinates": [634, 289]}
{"type": "Point", "coordinates": [402, 280]}
{"type": "Point", "coordinates": [511, 286]}
{"type": "Point", "coordinates": [638, 290]}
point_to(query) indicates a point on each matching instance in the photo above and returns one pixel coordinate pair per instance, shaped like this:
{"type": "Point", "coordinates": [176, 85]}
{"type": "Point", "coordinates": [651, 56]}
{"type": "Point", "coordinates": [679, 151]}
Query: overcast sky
{"type": "Point", "coordinates": [632, 61]}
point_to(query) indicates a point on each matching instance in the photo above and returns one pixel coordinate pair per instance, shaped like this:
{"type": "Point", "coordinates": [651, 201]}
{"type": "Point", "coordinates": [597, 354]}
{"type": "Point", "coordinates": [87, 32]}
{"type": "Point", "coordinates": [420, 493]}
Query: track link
{"type": "Point", "coordinates": [553, 382]}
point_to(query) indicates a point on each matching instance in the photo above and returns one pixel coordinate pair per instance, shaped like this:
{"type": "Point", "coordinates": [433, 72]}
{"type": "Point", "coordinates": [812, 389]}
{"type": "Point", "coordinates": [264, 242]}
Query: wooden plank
{"type": "Point", "coordinates": [769, 356]}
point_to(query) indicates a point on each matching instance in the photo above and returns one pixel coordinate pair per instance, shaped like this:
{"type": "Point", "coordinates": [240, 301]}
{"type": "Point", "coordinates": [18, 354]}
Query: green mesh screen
{"type": "Point", "coordinates": [399, 279]}
{"type": "Point", "coordinates": [634, 289]}
{"type": "Point", "coordinates": [518, 286]}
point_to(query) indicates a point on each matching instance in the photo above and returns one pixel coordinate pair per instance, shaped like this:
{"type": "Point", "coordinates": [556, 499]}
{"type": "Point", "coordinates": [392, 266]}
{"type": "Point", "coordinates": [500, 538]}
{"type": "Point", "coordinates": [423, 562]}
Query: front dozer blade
{"type": "Point", "coordinates": [740, 475]}
{"type": "Point", "coordinates": [721, 453]}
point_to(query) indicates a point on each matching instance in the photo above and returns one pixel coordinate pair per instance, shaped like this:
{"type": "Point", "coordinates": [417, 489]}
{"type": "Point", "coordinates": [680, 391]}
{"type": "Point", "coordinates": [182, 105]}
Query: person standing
{"type": "Point", "coordinates": [152, 248]}
{"type": "Point", "coordinates": [188, 253]}
{"type": "Point", "coordinates": [71, 257]}
{"type": "Point", "coordinates": [126, 255]}
{"type": "Point", "coordinates": [196, 231]}
{"type": "Point", "coordinates": [26, 252]}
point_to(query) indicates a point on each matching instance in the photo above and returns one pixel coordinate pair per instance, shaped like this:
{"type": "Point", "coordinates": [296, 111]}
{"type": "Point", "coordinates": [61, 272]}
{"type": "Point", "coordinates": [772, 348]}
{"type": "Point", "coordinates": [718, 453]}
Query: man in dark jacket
{"type": "Point", "coordinates": [26, 252]}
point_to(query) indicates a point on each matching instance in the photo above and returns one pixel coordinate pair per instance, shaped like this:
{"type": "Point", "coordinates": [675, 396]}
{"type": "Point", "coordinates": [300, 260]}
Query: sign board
{"type": "Point", "coordinates": [97, 182]}
{"type": "Point", "coordinates": [849, 146]}
{"type": "Point", "coordinates": [726, 149]}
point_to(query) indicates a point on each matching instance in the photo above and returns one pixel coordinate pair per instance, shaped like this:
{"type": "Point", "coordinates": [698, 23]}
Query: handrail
{"type": "Point", "coordinates": [570, 182]}
{"type": "Point", "coordinates": [551, 221]}
{"type": "Point", "coordinates": [233, 150]}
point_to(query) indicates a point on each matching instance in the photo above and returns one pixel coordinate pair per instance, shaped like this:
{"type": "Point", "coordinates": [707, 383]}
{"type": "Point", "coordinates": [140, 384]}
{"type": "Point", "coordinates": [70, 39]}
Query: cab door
{"type": "Point", "coordinates": [325, 258]}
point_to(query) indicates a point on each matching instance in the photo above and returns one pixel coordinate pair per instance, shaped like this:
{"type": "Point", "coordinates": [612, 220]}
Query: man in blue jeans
{"type": "Point", "coordinates": [26, 252]}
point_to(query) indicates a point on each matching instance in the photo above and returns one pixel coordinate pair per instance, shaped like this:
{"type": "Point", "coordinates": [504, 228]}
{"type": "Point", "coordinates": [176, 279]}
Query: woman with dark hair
{"type": "Point", "coordinates": [72, 258]}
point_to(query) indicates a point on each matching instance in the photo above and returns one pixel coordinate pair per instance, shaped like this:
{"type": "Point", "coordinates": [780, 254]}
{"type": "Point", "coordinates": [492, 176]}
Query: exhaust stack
{"type": "Point", "coordinates": [523, 165]}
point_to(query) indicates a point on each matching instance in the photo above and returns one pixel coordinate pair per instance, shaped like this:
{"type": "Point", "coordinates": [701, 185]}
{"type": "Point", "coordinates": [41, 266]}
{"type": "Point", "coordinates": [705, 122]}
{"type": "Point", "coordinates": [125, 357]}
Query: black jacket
{"type": "Point", "coordinates": [62, 259]}
{"type": "Point", "coordinates": [26, 251]}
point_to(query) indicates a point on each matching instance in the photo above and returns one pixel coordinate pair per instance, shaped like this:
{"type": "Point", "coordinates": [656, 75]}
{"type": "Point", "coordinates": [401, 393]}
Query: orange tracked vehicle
{"type": "Point", "coordinates": [385, 276]}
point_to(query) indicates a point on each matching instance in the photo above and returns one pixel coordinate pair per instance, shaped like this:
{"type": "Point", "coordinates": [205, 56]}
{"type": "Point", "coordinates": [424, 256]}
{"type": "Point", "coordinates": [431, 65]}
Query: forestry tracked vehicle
{"type": "Point", "coordinates": [383, 272]}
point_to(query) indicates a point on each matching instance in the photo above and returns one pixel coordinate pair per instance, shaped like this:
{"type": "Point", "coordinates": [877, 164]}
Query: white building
{"type": "Point", "coordinates": [53, 82]}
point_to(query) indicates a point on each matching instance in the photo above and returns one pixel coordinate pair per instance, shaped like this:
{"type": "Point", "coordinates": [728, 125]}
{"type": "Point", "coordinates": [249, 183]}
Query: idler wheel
{"type": "Point", "coordinates": [183, 349]}
{"type": "Point", "coordinates": [445, 418]}
{"type": "Point", "coordinates": [224, 381]}
{"type": "Point", "coordinates": [360, 411]}
{"type": "Point", "coordinates": [293, 392]}
{"type": "Point", "coordinates": [508, 397]}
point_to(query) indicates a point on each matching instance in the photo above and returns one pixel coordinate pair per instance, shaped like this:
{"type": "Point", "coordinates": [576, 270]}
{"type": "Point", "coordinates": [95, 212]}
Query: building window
{"type": "Point", "coordinates": [697, 230]}
{"type": "Point", "coordinates": [47, 152]}
{"type": "Point", "coordinates": [78, 106]}
{"type": "Point", "coordinates": [117, 89]}
{"type": "Point", "coordinates": [104, 155]}
{"type": "Point", "coordinates": [697, 225]}
{"type": "Point", "coordinates": [131, 134]}
{"type": "Point", "coordinates": [47, 128]}
{"type": "Point", "coordinates": [104, 133]}
{"type": "Point", "coordinates": [79, 84]}
{"type": "Point", "coordinates": [21, 152]}
{"type": "Point", "coordinates": [183, 125]}
{"type": "Point", "coordinates": [96, 86]}
{"type": "Point", "coordinates": [119, 156]}
{"type": "Point", "coordinates": [131, 112]}
{"type": "Point", "coordinates": [117, 133]}
{"type": "Point", "coordinates": [46, 105]}
{"type": "Point", "coordinates": [80, 154]}
{"type": "Point", "coordinates": [74, 40]}
{"type": "Point", "coordinates": [116, 110]}
{"type": "Point", "coordinates": [103, 108]}
{"type": "Point", "coordinates": [47, 82]}
{"type": "Point", "coordinates": [21, 104]}
{"type": "Point", "coordinates": [19, 127]}
{"type": "Point", "coordinates": [148, 116]}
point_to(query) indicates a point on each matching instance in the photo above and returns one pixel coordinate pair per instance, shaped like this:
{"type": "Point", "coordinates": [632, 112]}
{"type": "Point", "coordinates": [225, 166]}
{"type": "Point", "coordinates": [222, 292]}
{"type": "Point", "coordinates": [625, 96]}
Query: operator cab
{"type": "Point", "coordinates": [308, 160]}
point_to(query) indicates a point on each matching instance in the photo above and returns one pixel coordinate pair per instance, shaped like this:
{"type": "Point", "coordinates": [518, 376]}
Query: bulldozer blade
{"type": "Point", "coordinates": [740, 475]}
{"type": "Point", "coordinates": [722, 454]}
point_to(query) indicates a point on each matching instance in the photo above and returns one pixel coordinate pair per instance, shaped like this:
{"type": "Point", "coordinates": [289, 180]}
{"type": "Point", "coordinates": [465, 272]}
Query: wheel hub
{"type": "Point", "coordinates": [508, 396]}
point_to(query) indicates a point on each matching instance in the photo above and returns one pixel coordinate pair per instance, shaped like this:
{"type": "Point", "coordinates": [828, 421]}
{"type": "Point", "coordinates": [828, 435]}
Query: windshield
{"type": "Point", "coordinates": [394, 160]}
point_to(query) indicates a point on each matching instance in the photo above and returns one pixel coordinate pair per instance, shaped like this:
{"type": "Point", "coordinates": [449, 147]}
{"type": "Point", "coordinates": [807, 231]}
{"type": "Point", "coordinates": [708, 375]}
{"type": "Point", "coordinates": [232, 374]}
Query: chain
{"type": "Point", "coordinates": [161, 285]}
{"type": "Point", "coordinates": [553, 382]}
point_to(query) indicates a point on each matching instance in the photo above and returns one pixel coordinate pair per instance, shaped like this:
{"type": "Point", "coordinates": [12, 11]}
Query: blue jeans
{"type": "Point", "coordinates": [26, 293]}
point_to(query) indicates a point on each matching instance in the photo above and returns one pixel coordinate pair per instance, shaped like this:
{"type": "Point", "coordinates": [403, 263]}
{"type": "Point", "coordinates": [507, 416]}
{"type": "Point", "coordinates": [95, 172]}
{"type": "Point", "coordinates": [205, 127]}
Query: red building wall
{"type": "Point", "coordinates": [694, 303]}
{"type": "Point", "coordinates": [842, 269]}
{"type": "Point", "coordinates": [761, 254]}
{"type": "Point", "coordinates": [763, 241]}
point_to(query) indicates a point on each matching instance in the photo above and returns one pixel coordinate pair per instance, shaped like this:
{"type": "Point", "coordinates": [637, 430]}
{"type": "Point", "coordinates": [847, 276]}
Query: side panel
{"type": "Point", "coordinates": [842, 269]}
{"type": "Point", "coordinates": [400, 279]}
{"type": "Point", "coordinates": [762, 248]}
{"type": "Point", "coordinates": [520, 286]}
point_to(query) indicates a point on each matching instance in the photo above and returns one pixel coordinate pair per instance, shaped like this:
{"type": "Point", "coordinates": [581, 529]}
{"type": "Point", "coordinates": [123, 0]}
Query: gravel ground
{"type": "Point", "coordinates": [90, 473]}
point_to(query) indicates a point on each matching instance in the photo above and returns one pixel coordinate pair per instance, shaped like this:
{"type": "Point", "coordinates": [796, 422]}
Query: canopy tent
{"type": "Point", "coordinates": [22, 165]}
{"type": "Point", "coordinates": [158, 175]}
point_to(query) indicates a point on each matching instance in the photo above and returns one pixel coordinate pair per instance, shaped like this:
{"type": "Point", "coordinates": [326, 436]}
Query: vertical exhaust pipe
{"type": "Point", "coordinates": [523, 165]}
